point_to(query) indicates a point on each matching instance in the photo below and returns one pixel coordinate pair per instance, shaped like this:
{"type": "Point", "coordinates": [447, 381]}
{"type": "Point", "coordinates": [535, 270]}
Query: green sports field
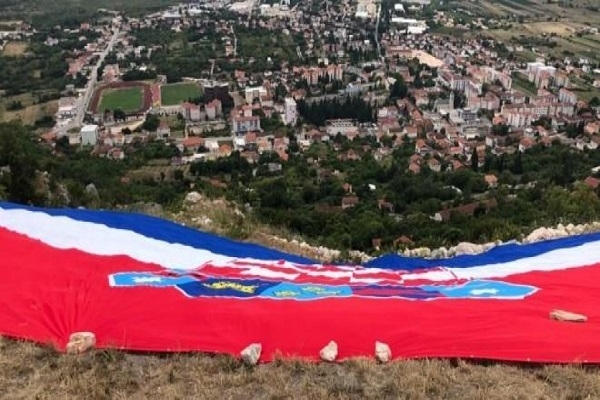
{"type": "Point", "coordinates": [176, 93]}
{"type": "Point", "coordinates": [127, 99]}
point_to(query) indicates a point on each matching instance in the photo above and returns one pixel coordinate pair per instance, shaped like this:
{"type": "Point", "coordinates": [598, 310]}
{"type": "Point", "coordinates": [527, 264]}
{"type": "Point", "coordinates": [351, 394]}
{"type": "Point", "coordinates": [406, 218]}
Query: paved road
{"type": "Point", "coordinates": [93, 78]}
{"type": "Point", "coordinates": [377, 32]}
{"type": "Point", "coordinates": [234, 42]}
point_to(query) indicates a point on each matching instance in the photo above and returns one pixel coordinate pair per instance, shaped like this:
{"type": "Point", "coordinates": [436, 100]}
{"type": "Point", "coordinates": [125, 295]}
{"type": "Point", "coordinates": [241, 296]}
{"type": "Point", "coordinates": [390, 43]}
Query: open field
{"type": "Point", "coordinates": [15, 49]}
{"type": "Point", "coordinates": [537, 28]}
{"type": "Point", "coordinates": [577, 11]}
{"type": "Point", "coordinates": [588, 44]}
{"type": "Point", "coordinates": [557, 28]}
{"type": "Point", "coordinates": [30, 113]}
{"type": "Point", "coordinates": [587, 95]}
{"type": "Point", "coordinates": [176, 93]}
{"type": "Point", "coordinates": [157, 172]}
{"type": "Point", "coordinates": [520, 7]}
{"type": "Point", "coordinates": [127, 99]}
{"type": "Point", "coordinates": [567, 44]}
{"type": "Point", "coordinates": [33, 372]}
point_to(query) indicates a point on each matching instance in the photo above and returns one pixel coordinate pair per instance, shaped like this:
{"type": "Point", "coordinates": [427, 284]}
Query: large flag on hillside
{"type": "Point", "coordinates": [142, 283]}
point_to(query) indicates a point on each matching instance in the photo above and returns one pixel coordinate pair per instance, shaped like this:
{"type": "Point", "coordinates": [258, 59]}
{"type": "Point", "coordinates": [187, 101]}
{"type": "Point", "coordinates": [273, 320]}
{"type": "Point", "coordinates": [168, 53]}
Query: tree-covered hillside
{"type": "Point", "coordinates": [48, 13]}
{"type": "Point", "coordinates": [344, 201]}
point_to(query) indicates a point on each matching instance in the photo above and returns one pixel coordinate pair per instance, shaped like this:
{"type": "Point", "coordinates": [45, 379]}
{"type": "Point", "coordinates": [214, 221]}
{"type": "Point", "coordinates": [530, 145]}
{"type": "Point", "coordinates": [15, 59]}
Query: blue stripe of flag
{"type": "Point", "coordinates": [171, 232]}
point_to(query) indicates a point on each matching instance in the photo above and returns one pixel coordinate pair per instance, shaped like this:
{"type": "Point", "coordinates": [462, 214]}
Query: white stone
{"type": "Point", "coordinates": [251, 354]}
{"type": "Point", "coordinates": [442, 252]}
{"type": "Point", "coordinates": [489, 246]}
{"type": "Point", "coordinates": [570, 228]}
{"type": "Point", "coordinates": [421, 252]}
{"type": "Point", "coordinates": [91, 190]}
{"type": "Point", "coordinates": [468, 248]}
{"type": "Point", "coordinates": [562, 315]}
{"type": "Point", "coordinates": [383, 353]}
{"type": "Point", "coordinates": [193, 197]}
{"type": "Point", "coordinates": [329, 353]}
{"type": "Point", "coordinates": [80, 342]}
{"type": "Point", "coordinates": [541, 234]}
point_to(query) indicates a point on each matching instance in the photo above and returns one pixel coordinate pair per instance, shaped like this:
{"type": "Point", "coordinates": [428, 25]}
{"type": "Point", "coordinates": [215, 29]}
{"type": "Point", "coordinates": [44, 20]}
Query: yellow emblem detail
{"type": "Point", "coordinates": [320, 290]}
{"type": "Point", "coordinates": [286, 293]}
{"type": "Point", "coordinates": [231, 285]}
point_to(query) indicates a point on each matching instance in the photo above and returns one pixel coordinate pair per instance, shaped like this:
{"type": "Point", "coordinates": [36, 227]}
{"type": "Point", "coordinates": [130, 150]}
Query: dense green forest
{"type": "Point", "coordinates": [541, 187]}
{"type": "Point", "coordinates": [317, 112]}
{"type": "Point", "coordinates": [191, 51]}
{"type": "Point", "coordinates": [42, 68]}
{"type": "Point", "coordinates": [49, 13]}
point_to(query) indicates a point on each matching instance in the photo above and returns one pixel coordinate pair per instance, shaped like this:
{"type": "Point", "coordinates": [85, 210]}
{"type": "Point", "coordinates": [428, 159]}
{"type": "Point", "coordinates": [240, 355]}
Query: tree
{"type": "Point", "coordinates": [500, 130]}
{"type": "Point", "coordinates": [517, 167]}
{"type": "Point", "coordinates": [119, 115]}
{"type": "Point", "coordinates": [151, 123]}
{"type": "Point", "coordinates": [15, 105]}
{"type": "Point", "coordinates": [475, 161]}
{"type": "Point", "coordinates": [17, 154]}
{"type": "Point", "coordinates": [63, 145]}
{"type": "Point", "coordinates": [280, 92]}
{"type": "Point", "coordinates": [595, 102]}
{"type": "Point", "coordinates": [399, 89]}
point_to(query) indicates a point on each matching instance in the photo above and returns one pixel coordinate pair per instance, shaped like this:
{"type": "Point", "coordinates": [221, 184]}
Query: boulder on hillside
{"type": "Point", "coordinates": [383, 353]}
{"type": "Point", "coordinates": [193, 197]}
{"type": "Point", "coordinates": [251, 354]}
{"type": "Point", "coordinates": [329, 353]}
{"type": "Point", "coordinates": [468, 248]}
{"type": "Point", "coordinates": [80, 342]}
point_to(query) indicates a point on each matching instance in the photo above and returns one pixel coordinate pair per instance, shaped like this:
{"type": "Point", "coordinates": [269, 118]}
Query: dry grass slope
{"type": "Point", "coordinates": [30, 113]}
{"type": "Point", "coordinates": [34, 372]}
{"type": "Point", "coordinates": [15, 49]}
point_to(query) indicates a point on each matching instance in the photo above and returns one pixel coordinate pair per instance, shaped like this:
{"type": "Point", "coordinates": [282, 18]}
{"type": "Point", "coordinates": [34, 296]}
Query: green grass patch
{"type": "Point", "coordinates": [587, 95]}
{"type": "Point", "coordinates": [176, 93]}
{"type": "Point", "coordinates": [126, 99]}
{"type": "Point", "coordinates": [525, 56]}
{"type": "Point", "coordinates": [522, 84]}
{"type": "Point", "coordinates": [449, 31]}
{"type": "Point", "coordinates": [518, 5]}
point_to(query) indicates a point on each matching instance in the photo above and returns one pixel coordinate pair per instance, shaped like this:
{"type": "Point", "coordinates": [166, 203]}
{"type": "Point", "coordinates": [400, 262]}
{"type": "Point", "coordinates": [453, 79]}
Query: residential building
{"type": "Point", "coordinates": [191, 112]}
{"type": "Point", "coordinates": [566, 96]}
{"type": "Point", "coordinates": [214, 109]}
{"type": "Point", "coordinates": [290, 111]}
{"type": "Point", "coordinates": [67, 107]}
{"type": "Point", "coordinates": [344, 127]}
{"type": "Point", "coordinates": [252, 93]}
{"type": "Point", "coordinates": [89, 135]}
{"type": "Point", "coordinates": [243, 124]}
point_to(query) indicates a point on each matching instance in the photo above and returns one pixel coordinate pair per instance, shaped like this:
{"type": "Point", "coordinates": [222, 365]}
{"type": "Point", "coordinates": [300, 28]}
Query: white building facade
{"type": "Point", "coordinates": [290, 111]}
{"type": "Point", "coordinates": [89, 135]}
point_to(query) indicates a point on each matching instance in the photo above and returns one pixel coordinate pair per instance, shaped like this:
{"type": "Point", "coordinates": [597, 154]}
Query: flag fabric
{"type": "Point", "coordinates": [142, 283]}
